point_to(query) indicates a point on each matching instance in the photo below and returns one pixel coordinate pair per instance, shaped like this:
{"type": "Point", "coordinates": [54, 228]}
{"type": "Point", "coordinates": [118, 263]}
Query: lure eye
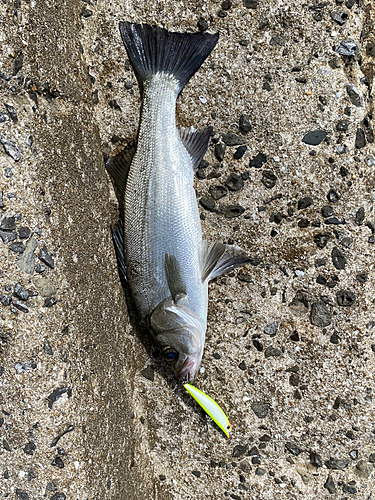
{"type": "Point", "coordinates": [171, 354]}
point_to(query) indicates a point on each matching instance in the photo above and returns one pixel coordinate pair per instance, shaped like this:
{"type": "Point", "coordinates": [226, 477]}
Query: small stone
{"type": "Point", "coordinates": [371, 458]}
{"type": "Point", "coordinates": [305, 202]}
{"type": "Point", "coordinates": [23, 233]}
{"type": "Point", "coordinates": [57, 394]}
{"type": "Point", "coordinates": [12, 112]}
{"type": "Point", "coordinates": [10, 148]}
{"type": "Point", "coordinates": [29, 448]}
{"type": "Point", "coordinates": [337, 464]}
{"type": "Point", "coordinates": [21, 307]}
{"type": "Point", "coordinates": [271, 328]}
{"type": "Point", "coordinates": [17, 247]}
{"type": "Point", "coordinates": [345, 298]}
{"type": "Point", "coordinates": [196, 473]}
{"type": "Point", "coordinates": [20, 292]}
{"type": "Point", "coordinates": [268, 179]}
{"type": "Point", "coordinates": [315, 459]}
{"type": "Point", "coordinates": [272, 352]}
{"type": "Point", "coordinates": [360, 139]}
{"type": "Point", "coordinates": [26, 261]}
{"type": "Point", "coordinates": [239, 450]}
{"type": "Point", "coordinates": [25, 367]}
{"type": "Point", "coordinates": [320, 315]}
{"type": "Point", "coordinates": [330, 485]}
{"type": "Point", "coordinates": [50, 301]}
{"type": "Point", "coordinates": [353, 454]}
{"type": "Point", "coordinates": [258, 160]}
{"type": "Point", "coordinates": [233, 211]}
{"type": "Point", "coordinates": [4, 118]}
{"type": "Point", "coordinates": [219, 151]}
{"type": "Point", "coordinates": [58, 462]}
{"type": "Point", "coordinates": [342, 125]}
{"type": "Point", "coordinates": [148, 373]}
{"type": "Point", "coordinates": [354, 95]}
{"type": "Point", "coordinates": [21, 495]}
{"type": "Point", "coordinates": [250, 4]}
{"type": "Point", "coordinates": [258, 345]}
{"type": "Point", "coordinates": [216, 355]}
{"type": "Point", "coordinates": [293, 448]}
{"type": "Point", "coordinates": [340, 16]}
{"type": "Point", "coordinates": [51, 486]}
{"type": "Point", "coordinates": [39, 268]}
{"type": "Point", "coordinates": [234, 182]}
{"type": "Point", "coordinates": [8, 223]}
{"type": "Point", "coordinates": [347, 48]}
{"type": "Point", "coordinates": [244, 124]}
{"type": "Point", "coordinates": [362, 277]}
{"type": "Point", "coordinates": [338, 258]}
{"type": "Point", "coordinates": [370, 161]}
{"type": "Point", "coordinates": [278, 41]}
{"type": "Point", "coordinates": [333, 196]}
{"type": "Point", "coordinates": [240, 151]}
{"type": "Point", "coordinates": [47, 348]}
{"type": "Point", "coordinates": [327, 211]}
{"type": "Point", "coordinates": [207, 203]}
{"type": "Point", "coordinates": [334, 221]}
{"type": "Point", "coordinates": [363, 469]}
{"type": "Point", "coordinates": [260, 472]}
{"type": "Point", "coordinates": [202, 25]}
{"type": "Point", "coordinates": [314, 138]}
{"type": "Point", "coordinates": [244, 466]}
{"type": "Point", "coordinates": [58, 496]}
{"type": "Point", "coordinates": [260, 409]}
{"type": "Point", "coordinates": [294, 379]}
{"type": "Point", "coordinates": [46, 258]}
{"type": "Point", "coordinates": [29, 141]}
{"type": "Point", "coordinates": [321, 239]}
{"type": "Point", "coordinates": [334, 338]}
{"type": "Point", "coordinates": [233, 139]}
{"type": "Point", "coordinates": [7, 237]}
{"type": "Point", "coordinates": [5, 300]}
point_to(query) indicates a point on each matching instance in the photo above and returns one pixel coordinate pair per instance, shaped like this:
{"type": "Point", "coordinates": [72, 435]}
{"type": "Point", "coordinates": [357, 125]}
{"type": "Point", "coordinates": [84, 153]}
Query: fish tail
{"type": "Point", "coordinates": [152, 50]}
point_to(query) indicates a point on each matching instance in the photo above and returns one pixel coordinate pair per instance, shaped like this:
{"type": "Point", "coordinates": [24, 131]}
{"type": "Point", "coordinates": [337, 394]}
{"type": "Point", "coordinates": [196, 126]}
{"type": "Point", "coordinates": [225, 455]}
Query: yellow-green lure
{"type": "Point", "coordinates": [211, 408]}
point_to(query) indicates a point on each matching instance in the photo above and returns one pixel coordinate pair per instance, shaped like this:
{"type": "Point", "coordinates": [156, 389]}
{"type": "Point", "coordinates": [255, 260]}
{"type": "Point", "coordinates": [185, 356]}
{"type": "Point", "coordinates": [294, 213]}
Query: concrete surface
{"type": "Point", "coordinates": [290, 359]}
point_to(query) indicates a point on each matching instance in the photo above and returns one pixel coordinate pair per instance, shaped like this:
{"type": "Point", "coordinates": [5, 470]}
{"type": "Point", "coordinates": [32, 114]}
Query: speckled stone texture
{"type": "Point", "coordinates": [89, 411]}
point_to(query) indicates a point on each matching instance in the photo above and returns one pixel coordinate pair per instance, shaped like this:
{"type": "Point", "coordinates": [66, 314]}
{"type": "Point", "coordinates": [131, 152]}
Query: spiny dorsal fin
{"type": "Point", "coordinates": [118, 167]}
{"type": "Point", "coordinates": [218, 259]}
{"type": "Point", "coordinates": [195, 142]}
{"type": "Point", "coordinates": [175, 279]}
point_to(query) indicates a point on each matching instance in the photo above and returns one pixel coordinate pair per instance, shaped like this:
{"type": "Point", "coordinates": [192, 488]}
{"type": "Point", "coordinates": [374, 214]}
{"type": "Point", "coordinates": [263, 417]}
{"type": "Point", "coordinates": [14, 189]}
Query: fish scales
{"type": "Point", "coordinates": [160, 247]}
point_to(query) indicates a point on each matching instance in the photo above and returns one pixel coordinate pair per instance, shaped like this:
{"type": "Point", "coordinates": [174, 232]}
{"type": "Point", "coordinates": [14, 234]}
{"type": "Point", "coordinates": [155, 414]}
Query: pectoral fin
{"type": "Point", "coordinates": [218, 259]}
{"type": "Point", "coordinates": [175, 279]}
{"type": "Point", "coordinates": [195, 142]}
{"type": "Point", "coordinates": [118, 243]}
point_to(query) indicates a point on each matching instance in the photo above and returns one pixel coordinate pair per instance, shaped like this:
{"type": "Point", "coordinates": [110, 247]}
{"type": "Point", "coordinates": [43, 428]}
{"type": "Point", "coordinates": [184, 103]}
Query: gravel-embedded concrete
{"type": "Point", "coordinates": [88, 409]}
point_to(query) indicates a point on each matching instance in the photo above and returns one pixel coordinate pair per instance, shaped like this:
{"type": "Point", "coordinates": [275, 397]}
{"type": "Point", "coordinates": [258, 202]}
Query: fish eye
{"type": "Point", "coordinates": [170, 354]}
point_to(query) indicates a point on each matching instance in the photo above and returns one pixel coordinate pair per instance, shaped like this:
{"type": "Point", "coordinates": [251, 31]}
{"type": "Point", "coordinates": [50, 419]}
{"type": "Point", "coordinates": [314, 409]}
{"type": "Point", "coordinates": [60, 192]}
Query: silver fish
{"type": "Point", "coordinates": [159, 242]}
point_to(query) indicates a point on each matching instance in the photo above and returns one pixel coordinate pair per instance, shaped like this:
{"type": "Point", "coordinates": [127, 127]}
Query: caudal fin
{"type": "Point", "coordinates": [152, 49]}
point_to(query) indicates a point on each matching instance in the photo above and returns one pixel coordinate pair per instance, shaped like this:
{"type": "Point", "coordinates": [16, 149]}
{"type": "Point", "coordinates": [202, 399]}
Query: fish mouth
{"type": "Point", "coordinates": [188, 370]}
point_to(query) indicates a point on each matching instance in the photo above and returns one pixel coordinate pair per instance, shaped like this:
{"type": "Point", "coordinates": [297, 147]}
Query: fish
{"type": "Point", "coordinates": [161, 254]}
{"type": "Point", "coordinates": [212, 409]}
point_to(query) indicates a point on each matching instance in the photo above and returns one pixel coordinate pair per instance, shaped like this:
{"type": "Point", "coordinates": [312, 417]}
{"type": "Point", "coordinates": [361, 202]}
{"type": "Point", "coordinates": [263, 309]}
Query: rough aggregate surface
{"type": "Point", "coordinates": [88, 408]}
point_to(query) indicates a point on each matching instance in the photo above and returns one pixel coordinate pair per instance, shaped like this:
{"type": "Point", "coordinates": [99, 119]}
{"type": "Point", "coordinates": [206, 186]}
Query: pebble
{"type": "Point", "coordinates": [337, 464]}
{"type": "Point", "coordinates": [240, 151]}
{"type": "Point", "coordinates": [29, 141]}
{"type": "Point", "coordinates": [58, 462]}
{"type": "Point", "coordinates": [23, 233]}
{"type": "Point", "coordinates": [333, 196]}
{"type": "Point", "coordinates": [21, 307]}
{"type": "Point", "coordinates": [8, 223]}
{"type": "Point", "coordinates": [345, 298]}
{"type": "Point", "coordinates": [207, 203]}
{"type": "Point", "coordinates": [244, 124]}
{"type": "Point", "coordinates": [20, 292]}
{"type": "Point", "coordinates": [327, 211]}
{"type": "Point", "coordinates": [258, 160]}
{"type": "Point", "coordinates": [148, 373]}
{"type": "Point", "coordinates": [363, 469]}
{"type": "Point", "coordinates": [58, 496]}
{"type": "Point", "coordinates": [315, 459]}
{"type": "Point", "coordinates": [25, 367]}
{"type": "Point", "coordinates": [321, 239]}
{"type": "Point", "coordinates": [57, 394]}
{"type": "Point", "coordinates": [219, 151]}
{"type": "Point", "coordinates": [10, 148]}
{"type": "Point", "coordinates": [330, 485]}
{"type": "Point", "coordinates": [51, 486]}
{"type": "Point", "coordinates": [305, 202]}
{"type": "Point", "coordinates": [320, 315]}
{"type": "Point", "coordinates": [21, 495]}
{"type": "Point", "coordinates": [17, 247]}
{"type": "Point", "coordinates": [260, 472]}
{"type": "Point", "coordinates": [271, 328]}
{"type": "Point", "coordinates": [4, 117]}
{"type": "Point", "coordinates": [260, 409]}
{"type": "Point", "coordinates": [272, 352]}
{"type": "Point", "coordinates": [362, 277]}
{"type": "Point", "coordinates": [340, 16]}
{"type": "Point", "coordinates": [360, 139]}
{"type": "Point", "coordinates": [354, 95]}
{"type": "Point", "coordinates": [5, 300]}
{"type": "Point", "coordinates": [50, 301]}
{"type": "Point", "coordinates": [7, 237]}
{"type": "Point", "coordinates": [12, 112]}
{"type": "Point", "coordinates": [26, 262]}
{"type": "Point", "coordinates": [233, 211]}
{"type": "Point", "coordinates": [268, 179]}
{"type": "Point", "coordinates": [342, 125]}
{"type": "Point", "coordinates": [196, 473]}
{"type": "Point", "coordinates": [218, 192]}
{"type": "Point", "coordinates": [239, 450]}
{"type": "Point", "coordinates": [338, 258]}
{"type": "Point", "coordinates": [46, 258]}
{"type": "Point", "coordinates": [233, 139]}
{"type": "Point", "coordinates": [347, 48]}
{"type": "Point", "coordinates": [334, 338]}
{"type": "Point", "coordinates": [47, 348]}
{"type": "Point", "coordinates": [45, 287]}
{"type": "Point", "coordinates": [314, 137]}
{"type": "Point", "coordinates": [334, 221]}
{"type": "Point", "coordinates": [234, 182]}
{"type": "Point", "coordinates": [370, 161]}
{"type": "Point", "coordinates": [30, 448]}
{"type": "Point", "coordinates": [293, 448]}
{"type": "Point", "coordinates": [202, 25]}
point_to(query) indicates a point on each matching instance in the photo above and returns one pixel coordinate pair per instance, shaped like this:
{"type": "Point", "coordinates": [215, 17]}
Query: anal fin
{"type": "Point", "coordinates": [218, 259]}
{"type": "Point", "coordinates": [195, 142]}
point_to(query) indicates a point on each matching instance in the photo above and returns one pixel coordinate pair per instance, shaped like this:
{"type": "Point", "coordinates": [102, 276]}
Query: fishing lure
{"type": "Point", "coordinates": [211, 408]}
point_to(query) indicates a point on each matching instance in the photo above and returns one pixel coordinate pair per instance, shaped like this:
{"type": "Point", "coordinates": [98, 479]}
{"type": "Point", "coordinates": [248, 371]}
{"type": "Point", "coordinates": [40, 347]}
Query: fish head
{"type": "Point", "coordinates": [180, 335]}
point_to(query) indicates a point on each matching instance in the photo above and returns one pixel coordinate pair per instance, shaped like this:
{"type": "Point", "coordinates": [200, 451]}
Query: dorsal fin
{"type": "Point", "coordinates": [196, 142]}
{"type": "Point", "coordinates": [118, 167]}
{"type": "Point", "coordinates": [218, 259]}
